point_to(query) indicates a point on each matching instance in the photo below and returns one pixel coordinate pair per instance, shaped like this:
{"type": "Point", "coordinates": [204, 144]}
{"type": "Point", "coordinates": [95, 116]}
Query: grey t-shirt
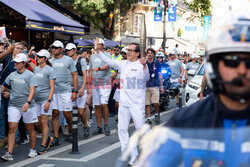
{"type": "Point", "coordinates": [63, 68]}
{"type": "Point", "coordinates": [20, 87]}
{"type": "Point", "coordinates": [80, 78]}
{"type": "Point", "coordinates": [43, 75]}
{"type": "Point", "coordinates": [101, 76]}
{"type": "Point", "coordinates": [192, 68]}
{"type": "Point", "coordinates": [175, 66]}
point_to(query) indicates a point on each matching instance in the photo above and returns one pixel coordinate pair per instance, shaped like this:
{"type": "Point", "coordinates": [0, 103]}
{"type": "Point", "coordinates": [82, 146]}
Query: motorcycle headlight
{"type": "Point", "coordinates": [164, 71]}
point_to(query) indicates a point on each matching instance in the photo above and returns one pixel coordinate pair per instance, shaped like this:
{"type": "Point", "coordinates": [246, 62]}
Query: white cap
{"type": "Point", "coordinates": [159, 54]}
{"type": "Point", "coordinates": [70, 46]}
{"type": "Point", "coordinates": [101, 41]}
{"type": "Point", "coordinates": [58, 43]}
{"type": "Point", "coordinates": [173, 52]}
{"type": "Point", "coordinates": [125, 49]}
{"type": "Point", "coordinates": [20, 57]}
{"type": "Point", "coordinates": [195, 56]}
{"type": "Point", "coordinates": [43, 53]}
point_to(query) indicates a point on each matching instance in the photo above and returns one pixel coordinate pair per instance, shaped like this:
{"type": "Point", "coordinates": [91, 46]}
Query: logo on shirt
{"type": "Point", "coordinates": [19, 81]}
{"type": "Point", "coordinates": [58, 65]}
{"type": "Point", "coordinates": [39, 75]}
{"type": "Point", "coordinates": [133, 69]}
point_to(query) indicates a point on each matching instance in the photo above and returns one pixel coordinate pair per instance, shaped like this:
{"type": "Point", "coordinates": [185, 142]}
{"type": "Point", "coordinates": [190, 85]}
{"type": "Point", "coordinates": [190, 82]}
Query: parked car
{"type": "Point", "coordinates": [193, 88]}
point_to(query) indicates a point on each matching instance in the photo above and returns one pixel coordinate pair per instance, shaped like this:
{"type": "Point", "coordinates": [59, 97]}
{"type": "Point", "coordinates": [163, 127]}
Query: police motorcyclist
{"type": "Point", "coordinates": [228, 74]}
{"type": "Point", "coordinates": [165, 69]}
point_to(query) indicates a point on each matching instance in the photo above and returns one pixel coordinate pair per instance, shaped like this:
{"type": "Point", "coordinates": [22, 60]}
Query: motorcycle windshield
{"type": "Point", "coordinates": [214, 147]}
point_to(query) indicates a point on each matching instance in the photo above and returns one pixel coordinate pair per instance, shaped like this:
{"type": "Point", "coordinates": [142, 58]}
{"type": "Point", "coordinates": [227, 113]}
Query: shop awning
{"type": "Point", "coordinates": [40, 16]}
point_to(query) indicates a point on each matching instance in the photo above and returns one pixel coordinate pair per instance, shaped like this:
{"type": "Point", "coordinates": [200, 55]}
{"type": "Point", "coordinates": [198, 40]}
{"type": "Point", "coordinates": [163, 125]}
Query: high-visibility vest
{"type": "Point", "coordinates": [119, 57]}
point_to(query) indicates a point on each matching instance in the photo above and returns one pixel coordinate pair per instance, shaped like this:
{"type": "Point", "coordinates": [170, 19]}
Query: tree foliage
{"type": "Point", "coordinates": [100, 12]}
{"type": "Point", "coordinates": [199, 6]}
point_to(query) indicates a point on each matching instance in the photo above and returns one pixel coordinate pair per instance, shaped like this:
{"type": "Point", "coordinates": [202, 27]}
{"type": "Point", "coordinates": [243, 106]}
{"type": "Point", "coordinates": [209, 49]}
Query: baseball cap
{"type": "Point", "coordinates": [70, 46]}
{"type": "Point", "coordinates": [20, 57]}
{"type": "Point", "coordinates": [58, 43]}
{"type": "Point", "coordinates": [125, 49]}
{"type": "Point", "coordinates": [101, 41]}
{"type": "Point", "coordinates": [194, 56]}
{"type": "Point", "coordinates": [172, 52]}
{"type": "Point", "coordinates": [43, 53]}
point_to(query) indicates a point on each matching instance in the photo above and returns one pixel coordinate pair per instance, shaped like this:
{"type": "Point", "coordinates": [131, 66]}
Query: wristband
{"type": "Point", "coordinates": [29, 102]}
{"type": "Point", "coordinates": [50, 100]}
{"type": "Point", "coordinates": [99, 69]}
{"type": "Point", "coordinates": [74, 91]}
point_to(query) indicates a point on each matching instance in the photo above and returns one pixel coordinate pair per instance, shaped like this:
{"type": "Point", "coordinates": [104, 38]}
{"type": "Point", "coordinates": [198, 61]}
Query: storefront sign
{"type": "Point", "coordinates": [59, 28]}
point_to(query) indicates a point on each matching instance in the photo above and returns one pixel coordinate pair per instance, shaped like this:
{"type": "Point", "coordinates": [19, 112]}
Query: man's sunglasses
{"type": "Point", "coordinates": [116, 50]}
{"type": "Point", "coordinates": [67, 50]}
{"type": "Point", "coordinates": [234, 61]}
{"type": "Point", "coordinates": [40, 57]}
{"type": "Point", "coordinates": [53, 47]}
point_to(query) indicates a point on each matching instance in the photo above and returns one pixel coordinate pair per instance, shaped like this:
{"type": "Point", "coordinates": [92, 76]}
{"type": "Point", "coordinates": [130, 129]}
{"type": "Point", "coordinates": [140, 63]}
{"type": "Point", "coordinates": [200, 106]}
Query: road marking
{"type": "Point", "coordinates": [67, 147]}
{"type": "Point", "coordinates": [101, 152]}
{"type": "Point", "coordinates": [46, 165]}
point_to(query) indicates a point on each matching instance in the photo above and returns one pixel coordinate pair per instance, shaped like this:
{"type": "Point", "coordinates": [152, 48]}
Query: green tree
{"type": "Point", "coordinates": [101, 12]}
{"type": "Point", "coordinates": [199, 6]}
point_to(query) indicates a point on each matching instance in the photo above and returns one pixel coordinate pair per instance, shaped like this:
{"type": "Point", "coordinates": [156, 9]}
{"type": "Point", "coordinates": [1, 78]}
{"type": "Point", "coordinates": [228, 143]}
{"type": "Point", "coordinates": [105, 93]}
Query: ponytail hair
{"type": "Point", "coordinates": [48, 63]}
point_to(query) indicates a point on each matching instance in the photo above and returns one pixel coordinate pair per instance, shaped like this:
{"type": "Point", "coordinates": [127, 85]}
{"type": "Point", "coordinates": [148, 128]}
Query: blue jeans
{"type": "Point", "coordinates": [3, 120]}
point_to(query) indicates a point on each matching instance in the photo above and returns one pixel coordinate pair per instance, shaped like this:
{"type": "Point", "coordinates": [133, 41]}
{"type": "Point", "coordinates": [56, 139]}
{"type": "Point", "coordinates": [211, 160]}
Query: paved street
{"type": "Point", "coordinates": [96, 151]}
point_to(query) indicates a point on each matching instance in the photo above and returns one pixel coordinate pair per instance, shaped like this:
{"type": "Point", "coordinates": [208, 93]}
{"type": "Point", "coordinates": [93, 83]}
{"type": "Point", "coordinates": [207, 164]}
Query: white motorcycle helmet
{"type": "Point", "coordinates": [160, 54]}
{"type": "Point", "coordinates": [231, 34]}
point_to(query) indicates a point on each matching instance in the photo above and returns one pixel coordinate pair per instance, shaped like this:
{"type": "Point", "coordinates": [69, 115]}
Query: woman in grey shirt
{"type": "Point", "coordinates": [43, 97]}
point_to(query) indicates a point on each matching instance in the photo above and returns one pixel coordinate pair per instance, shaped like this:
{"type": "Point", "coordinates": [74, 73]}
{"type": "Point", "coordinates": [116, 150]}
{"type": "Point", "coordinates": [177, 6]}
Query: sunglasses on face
{"type": "Point", "coordinates": [67, 50]}
{"type": "Point", "coordinates": [116, 50]}
{"type": "Point", "coordinates": [40, 57]}
{"type": "Point", "coordinates": [53, 47]}
{"type": "Point", "coordinates": [234, 61]}
{"type": "Point", "coordinates": [130, 50]}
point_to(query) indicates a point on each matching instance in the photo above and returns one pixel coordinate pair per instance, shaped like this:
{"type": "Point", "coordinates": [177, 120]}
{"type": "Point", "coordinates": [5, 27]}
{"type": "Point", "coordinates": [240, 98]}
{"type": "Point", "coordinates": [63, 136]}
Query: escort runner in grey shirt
{"type": "Point", "coordinates": [175, 66]}
{"type": "Point", "coordinates": [192, 68]}
{"type": "Point", "coordinates": [43, 75]}
{"type": "Point", "coordinates": [63, 67]}
{"type": "Point", "coordinates": [95, 61]}
{"type": "Point", "coordinates": [20, 87]}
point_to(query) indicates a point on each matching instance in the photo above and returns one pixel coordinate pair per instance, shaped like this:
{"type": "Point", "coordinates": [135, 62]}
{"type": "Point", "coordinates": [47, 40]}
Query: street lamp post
{"type": "Point", "coordinates": [165, 2]}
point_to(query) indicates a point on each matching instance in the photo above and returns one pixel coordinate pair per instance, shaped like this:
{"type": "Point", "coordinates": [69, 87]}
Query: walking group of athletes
{"type": "Point", "coordinates": [59, 82]}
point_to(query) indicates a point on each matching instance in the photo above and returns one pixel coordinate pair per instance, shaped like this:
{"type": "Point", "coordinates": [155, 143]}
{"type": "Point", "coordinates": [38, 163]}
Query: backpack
{"type": "Point", "coordinates": [79, 67]}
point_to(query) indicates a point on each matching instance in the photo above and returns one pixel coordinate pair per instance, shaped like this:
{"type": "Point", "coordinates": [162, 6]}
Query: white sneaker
{"type": "Point", "coordinates": [7, 156]}
{"type": "Point", "coordinates": [32, 153]}
{"type": "Point", "coordinates": [132, 161]}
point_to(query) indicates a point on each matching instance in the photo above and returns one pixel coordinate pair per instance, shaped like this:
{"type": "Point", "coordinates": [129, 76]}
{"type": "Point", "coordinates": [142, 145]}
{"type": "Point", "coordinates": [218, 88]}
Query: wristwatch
{"type": "Point", "coordinates": [99, 68]}
{"type": "Point", "coordinates": [29, 102]}
{"type": "Point", "coordinates": [74, 91]}
{"type": "Point", "coordinates": [50, 100]}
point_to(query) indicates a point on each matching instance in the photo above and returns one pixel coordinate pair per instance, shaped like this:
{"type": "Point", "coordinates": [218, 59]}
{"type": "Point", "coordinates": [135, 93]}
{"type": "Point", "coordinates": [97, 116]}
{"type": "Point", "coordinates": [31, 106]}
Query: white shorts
{"type": "Point", "coordinates": [62, 101]}
{"type": "Point", "coordinates": [100, 96]}
{"type": "Point", "coordinates": [15, 113]}
{"type": "Point", "coordinates": [40, 108]}
{"type": "Point", "coordinates": [80, 101]}
{"type": "Point", "coordinates": [117, 95]}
